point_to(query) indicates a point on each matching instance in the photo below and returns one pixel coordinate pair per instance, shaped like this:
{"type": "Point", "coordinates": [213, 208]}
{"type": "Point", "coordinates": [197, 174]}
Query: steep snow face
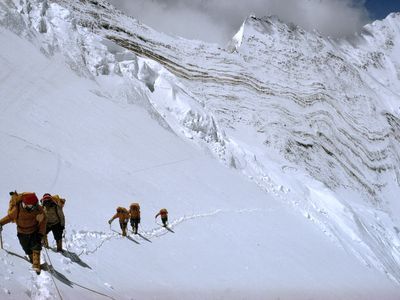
{"type": "Point", "coordinates": [376, 53]}
{"type": "Point", "coordinates": [312, 121]}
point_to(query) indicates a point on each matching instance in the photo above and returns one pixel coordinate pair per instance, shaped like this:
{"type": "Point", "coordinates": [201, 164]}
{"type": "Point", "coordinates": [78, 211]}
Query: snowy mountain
{"type": "Point", "coordinates": [105, 111]}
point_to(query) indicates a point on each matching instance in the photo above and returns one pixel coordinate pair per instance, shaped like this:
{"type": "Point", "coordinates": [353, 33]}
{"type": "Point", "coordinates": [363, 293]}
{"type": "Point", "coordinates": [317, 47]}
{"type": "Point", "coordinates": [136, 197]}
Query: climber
{"type": "Point", "coordinates": [31, 225]}
{"type": "Point", "coordinates": [134, 211]}
{"type": "Point", "coordinates": [164, 216]}
{"type": "Point", "coordinates": [53, 208]}
{"type": "Point", "coordinates": [123, 216]}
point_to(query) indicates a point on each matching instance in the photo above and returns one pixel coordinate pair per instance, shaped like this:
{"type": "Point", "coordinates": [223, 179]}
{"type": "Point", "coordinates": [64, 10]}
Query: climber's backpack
{"type": "Point", "coordinates": [60, 201]}
{"type": "Point", "coordinates": [16, 199]}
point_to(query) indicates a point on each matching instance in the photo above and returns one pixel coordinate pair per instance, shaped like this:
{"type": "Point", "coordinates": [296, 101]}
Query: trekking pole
{"type": "Point", "coordinates": [1, 239]}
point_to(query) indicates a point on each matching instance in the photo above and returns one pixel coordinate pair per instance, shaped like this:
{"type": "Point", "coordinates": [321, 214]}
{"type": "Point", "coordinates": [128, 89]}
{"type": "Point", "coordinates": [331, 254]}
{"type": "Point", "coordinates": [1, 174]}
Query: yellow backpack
{"type": "Point", "coordinates": [60, 201]}
{"type": "Point", "coordinates": [135, 206]}
{"type": "Point", "coordinates": [16, 199]}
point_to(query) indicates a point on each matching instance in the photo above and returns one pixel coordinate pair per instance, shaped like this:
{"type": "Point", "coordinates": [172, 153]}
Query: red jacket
{"type": "Point", "coordinates": [163, 213]}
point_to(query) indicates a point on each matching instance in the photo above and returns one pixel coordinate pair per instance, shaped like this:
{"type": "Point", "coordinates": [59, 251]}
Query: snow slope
{"type": "Point", "coordinates": [86, 118]}
{"type": "Point", "coordinates": [293, 111]}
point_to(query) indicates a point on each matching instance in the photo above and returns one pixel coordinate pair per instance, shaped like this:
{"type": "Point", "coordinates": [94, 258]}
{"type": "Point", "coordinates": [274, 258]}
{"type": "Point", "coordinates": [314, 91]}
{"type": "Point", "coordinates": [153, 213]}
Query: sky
{"type": "Point", "coordinates": [379, 9]}
{"type": "Point", "coordinates": [218, 20]}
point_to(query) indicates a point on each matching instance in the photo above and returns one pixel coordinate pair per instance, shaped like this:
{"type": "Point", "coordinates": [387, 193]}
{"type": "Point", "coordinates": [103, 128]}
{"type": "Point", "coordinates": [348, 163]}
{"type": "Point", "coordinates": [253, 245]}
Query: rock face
{"type": "Point", "coordinates": [277, 103]}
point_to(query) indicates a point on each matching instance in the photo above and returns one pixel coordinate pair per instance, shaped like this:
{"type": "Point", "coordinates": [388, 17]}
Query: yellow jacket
{"type": "Point", "coordinates": [122, 214]}
{"type": "Point", "coordinates": [27, 221]}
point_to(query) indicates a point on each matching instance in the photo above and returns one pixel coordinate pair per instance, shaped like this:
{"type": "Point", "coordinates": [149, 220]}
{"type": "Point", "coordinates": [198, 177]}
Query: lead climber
{"type": "Point", "coordinates": [164, 216]}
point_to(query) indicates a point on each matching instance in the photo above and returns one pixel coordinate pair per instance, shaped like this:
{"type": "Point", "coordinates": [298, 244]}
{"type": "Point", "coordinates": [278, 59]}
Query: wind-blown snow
{"type": "Point", "coordinates": [104, 111]}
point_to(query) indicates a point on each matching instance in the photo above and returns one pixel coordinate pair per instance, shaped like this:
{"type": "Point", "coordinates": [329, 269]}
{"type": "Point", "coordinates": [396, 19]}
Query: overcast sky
{"type": "Point", "coordinates": [218, 20]}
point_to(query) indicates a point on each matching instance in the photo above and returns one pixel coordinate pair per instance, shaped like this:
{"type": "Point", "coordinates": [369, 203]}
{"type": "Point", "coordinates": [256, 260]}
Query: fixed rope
{"type": "Point", "coordinates": [74, 283]}
{"type": "Point", "coordinates": [93, 291]}
{"type": "Point", "coordinates": [50, 266]}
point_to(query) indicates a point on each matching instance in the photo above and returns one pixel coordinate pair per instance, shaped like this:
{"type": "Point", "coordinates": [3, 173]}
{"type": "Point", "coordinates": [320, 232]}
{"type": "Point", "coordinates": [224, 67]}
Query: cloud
{"type": "Point", "coordinates": [218, 20]}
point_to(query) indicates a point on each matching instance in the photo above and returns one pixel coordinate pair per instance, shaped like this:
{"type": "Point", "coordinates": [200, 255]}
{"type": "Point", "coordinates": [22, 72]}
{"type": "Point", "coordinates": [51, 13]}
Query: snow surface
{"type": "Point", "coordinates": [84, 117]}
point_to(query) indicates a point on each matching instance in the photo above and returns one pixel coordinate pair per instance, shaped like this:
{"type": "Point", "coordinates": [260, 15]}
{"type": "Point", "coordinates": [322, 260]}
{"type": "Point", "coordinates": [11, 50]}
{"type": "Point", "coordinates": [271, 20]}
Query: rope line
{"type": "Point", "coordinates": [77, 284]}
{"type": "Point", "coordinates": [93, 291]}
{"type": "Point", "coordinates": [50, 266]}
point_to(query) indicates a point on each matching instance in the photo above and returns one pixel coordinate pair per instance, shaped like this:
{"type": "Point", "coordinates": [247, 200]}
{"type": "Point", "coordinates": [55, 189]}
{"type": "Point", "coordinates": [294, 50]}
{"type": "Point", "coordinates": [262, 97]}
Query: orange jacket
{"type": "Point", "coordinates": [27, 221]}
{"type": "Point", "coordinates": [163, 213]}
{"type": "Point", "coordinates": [122, 214]}
{"type": "Point", "coordinates": [134, 211]}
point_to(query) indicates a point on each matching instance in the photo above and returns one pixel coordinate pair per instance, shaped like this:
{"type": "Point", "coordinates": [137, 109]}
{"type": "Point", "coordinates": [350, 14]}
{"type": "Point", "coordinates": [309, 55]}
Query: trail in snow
{"type": "Point", "coordinates": [44, 286]}
{"type": "Point", "coordinates": [55, 274]}
{"type": "Point", "coordinates": [79, 240]}
{"type": "Point", "coordinates": [39, 286]}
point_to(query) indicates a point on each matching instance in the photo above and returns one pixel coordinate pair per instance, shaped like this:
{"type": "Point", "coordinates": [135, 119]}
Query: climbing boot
{"type": "Point", "coordinates": [36, 261]}
{"type": "Point", "coordinates": [124, 232]}
{"type": "Point", "coordinates": [59, 246]}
